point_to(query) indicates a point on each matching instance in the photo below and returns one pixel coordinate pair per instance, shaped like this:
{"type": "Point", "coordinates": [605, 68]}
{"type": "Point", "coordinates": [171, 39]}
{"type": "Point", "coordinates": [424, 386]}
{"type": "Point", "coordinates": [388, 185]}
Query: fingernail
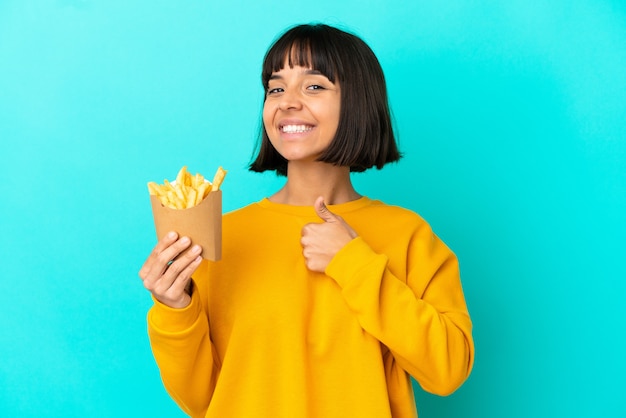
{"type": "Point", "coordinates": [185, 240]}
{"type": "Point", "coordinates": [171, 234]}
{"type": "Point", "coordinates": [196, 249]}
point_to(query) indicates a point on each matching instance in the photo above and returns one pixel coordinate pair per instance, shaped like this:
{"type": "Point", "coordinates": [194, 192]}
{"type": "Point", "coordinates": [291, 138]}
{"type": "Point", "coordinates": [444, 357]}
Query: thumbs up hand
{"type": "Point", "coordinates": [321, 241]}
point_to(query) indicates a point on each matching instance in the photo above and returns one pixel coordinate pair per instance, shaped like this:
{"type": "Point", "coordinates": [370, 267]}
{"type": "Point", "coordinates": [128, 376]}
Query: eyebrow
{"type": "Point", "coordinates": [275, 76]}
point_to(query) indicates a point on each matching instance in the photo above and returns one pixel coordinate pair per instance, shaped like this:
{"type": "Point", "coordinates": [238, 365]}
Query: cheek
{"type": "Point", "coordinates": [266, 116]}
{"type": "Point", "coordinates": [333, 120]}
{"type": "Point", "coordinates": [268, 123]}
{"type": "Point", "coordinates": [333, 113]}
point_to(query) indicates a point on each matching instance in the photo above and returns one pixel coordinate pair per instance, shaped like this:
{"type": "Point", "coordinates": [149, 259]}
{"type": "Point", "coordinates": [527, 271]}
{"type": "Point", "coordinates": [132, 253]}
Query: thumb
{"type": "Point", "coordinates": [323, 212]}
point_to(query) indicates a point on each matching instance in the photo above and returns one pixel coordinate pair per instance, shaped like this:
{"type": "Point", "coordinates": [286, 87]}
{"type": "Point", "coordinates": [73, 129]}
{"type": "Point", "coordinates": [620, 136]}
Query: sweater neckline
{"type": "Point", "coordinates": [339, 209]}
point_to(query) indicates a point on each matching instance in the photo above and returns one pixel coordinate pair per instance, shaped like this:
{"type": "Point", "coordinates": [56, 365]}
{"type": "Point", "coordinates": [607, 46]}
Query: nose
{"type": "Point", "coordinates": [290, 100]}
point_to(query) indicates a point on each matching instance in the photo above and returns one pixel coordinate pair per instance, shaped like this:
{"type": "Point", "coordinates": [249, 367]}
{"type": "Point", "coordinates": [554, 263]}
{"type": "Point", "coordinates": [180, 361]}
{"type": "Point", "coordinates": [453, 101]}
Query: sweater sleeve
{"type": "Point", "coordinates": [422, 318]}
{"type": "Point", "coordinates": [184, 353]}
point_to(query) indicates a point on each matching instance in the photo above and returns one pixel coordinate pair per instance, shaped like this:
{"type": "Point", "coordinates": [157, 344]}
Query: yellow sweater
{"type": "Point", "coordinates": [265, 337]}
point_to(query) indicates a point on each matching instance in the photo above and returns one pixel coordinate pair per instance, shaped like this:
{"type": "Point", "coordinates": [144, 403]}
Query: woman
{"type": "Point", "coordinates": [325, 301]}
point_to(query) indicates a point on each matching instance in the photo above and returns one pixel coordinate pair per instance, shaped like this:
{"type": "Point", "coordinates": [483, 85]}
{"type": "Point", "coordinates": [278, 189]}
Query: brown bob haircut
{"type": "Point", "coordinates": [365, 136]}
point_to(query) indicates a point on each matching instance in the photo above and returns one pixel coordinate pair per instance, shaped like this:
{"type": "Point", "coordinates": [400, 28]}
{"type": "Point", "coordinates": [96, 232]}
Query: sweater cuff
{"type": "Point", "coordinates": [172, 320]}
{"type": "Point", "coordinates": [350, 261]}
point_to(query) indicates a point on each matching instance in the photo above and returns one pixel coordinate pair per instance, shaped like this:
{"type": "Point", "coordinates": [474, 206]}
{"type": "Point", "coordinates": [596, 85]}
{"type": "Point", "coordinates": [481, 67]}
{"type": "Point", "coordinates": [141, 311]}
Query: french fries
{"type": "Point", "coordinates": [188, 190]}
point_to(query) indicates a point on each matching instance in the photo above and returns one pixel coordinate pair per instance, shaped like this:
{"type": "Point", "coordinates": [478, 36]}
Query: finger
{"type": "Point", "coordinates": [177, 294]}
{"type": "Point", "coordinates": [166, 241]}
{"type": "Point", "coordinates": [182, 280]}
{"type": "Point", "coordinates": [170, 254]}
{"type": "Point", "coordinates": [161, 257]}
{"type": "Point", "coordinates": [179, 271]}
{"type": "Point", "coordinates": [163, 243]}
{"type": "Point", "coordinates": [323, 212]}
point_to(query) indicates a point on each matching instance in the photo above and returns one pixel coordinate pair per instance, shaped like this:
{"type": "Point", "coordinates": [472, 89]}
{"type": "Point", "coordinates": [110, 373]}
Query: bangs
{"type": "Point", "coordinates": [308, 47]}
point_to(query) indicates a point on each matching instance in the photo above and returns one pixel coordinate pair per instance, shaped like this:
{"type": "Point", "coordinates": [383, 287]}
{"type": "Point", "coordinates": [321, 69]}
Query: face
{"type": "Point", "coordinates": [301, 112]}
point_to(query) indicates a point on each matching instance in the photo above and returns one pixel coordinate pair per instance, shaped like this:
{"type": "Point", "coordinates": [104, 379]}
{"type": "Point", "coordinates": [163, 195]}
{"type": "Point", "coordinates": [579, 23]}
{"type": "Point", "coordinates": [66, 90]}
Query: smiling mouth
{"type": "Point", "coordinates": [295, 129]}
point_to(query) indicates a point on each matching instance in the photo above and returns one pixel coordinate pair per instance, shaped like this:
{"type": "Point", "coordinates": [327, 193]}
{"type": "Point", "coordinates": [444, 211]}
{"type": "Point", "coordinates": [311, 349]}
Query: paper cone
{"type": "Point", "coordinates": [201, 223]}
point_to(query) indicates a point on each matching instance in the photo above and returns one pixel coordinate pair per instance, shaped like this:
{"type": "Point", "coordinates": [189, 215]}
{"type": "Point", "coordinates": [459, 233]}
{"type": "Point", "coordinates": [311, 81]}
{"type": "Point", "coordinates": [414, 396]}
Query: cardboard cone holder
{"type": "Point", "coordinates": [201, 223]}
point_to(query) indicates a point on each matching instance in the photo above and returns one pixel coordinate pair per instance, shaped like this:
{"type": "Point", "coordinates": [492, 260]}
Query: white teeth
{"type": "Point", "coordinates": [295, 129]}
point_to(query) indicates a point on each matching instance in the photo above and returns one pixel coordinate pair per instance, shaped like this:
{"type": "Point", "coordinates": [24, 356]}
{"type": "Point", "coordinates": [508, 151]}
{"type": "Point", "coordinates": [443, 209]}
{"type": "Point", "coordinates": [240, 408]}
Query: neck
{"type": "Point", "coordinates": [306, 182]}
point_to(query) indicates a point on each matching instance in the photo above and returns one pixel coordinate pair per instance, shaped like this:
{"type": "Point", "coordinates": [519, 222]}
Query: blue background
{"type": "Point", "coordinates": [511, 115]}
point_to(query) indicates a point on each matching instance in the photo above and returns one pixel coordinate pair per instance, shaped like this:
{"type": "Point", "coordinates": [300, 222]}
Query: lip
{"type": "Point", "coordinates": [298, 122]}
{"type": "Point", "coordinates": [294, 122]}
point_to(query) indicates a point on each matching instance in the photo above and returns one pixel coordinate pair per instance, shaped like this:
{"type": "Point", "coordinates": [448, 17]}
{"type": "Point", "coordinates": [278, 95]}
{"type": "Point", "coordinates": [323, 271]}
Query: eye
{"type": "Point", "coordinates": [274, 90]}
{"type": "Point", "coordinates": [316, 87]}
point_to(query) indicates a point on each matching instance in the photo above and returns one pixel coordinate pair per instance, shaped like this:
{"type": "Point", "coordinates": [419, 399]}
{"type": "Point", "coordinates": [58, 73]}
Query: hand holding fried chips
{"type": "Point", "coordinates": [187, 191]}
